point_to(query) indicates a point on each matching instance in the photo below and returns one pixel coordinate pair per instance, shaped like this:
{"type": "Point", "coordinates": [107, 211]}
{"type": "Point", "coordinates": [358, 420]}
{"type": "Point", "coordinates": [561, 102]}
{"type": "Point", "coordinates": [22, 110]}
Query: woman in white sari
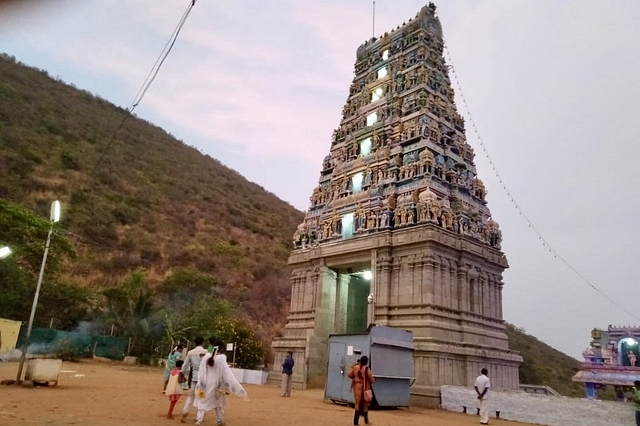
{"type": "Point", "coordinates": [215, 382]}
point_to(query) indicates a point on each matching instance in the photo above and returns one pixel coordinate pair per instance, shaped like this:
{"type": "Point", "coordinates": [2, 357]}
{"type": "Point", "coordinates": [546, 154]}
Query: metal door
{"type": "Point", "coordinates": [349, 362]}
{"type": "Point", "coordinates": [336, 371]}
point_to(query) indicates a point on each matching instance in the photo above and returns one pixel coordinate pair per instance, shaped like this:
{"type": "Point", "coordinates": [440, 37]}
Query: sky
{"type": "Point", "coordinates": [551, 86]}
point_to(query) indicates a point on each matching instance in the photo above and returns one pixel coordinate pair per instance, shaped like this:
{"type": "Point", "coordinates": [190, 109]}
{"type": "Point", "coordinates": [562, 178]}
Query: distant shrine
{"type": "Point", "coordinates": [612, 359]}
{"type": "Point", "coordinates": [398, 232]}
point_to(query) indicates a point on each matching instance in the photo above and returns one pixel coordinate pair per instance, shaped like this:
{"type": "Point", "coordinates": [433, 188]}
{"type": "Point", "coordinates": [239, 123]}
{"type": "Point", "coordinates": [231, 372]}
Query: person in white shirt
{"type": "Point", "coordinates": [194, 358]}
{"type": "Point", "coordinates": [482, 386]}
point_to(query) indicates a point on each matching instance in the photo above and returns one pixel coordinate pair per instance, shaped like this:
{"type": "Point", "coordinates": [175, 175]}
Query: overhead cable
{"type": "Point", "coordinates": [545, 243]}
{"type": "Point", "coordinates": [151, 76]}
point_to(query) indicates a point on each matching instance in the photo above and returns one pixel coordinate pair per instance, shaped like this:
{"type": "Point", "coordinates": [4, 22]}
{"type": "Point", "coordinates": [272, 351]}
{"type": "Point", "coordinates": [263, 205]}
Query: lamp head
{"type": "Point", "coordinates": [55, 211]}
{"type": "Point", "coordinates": [4, 252]}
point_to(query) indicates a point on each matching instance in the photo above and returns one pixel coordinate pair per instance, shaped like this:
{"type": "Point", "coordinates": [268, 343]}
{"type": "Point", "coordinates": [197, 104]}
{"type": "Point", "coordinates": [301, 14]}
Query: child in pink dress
{"type": "Point", "coordinates": [174, 386]}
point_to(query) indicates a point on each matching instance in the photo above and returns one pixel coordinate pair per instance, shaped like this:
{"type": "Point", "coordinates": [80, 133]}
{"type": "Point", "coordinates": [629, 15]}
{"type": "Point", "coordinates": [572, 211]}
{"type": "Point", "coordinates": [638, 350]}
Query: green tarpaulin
{"type": "Point", "coordinates": [46, 341]}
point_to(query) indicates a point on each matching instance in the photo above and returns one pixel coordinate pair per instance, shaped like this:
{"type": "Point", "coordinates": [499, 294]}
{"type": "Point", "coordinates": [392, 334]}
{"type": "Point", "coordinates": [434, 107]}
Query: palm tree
{"type": "Point", "coordinates": [131, 309]}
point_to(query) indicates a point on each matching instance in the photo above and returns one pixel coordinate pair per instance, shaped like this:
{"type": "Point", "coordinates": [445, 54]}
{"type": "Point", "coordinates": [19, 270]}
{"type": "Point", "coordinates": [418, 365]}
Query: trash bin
{"type": "Point", "coordinates": [390, 352]}
{"type": "Point", "coordinates": [43, 370]}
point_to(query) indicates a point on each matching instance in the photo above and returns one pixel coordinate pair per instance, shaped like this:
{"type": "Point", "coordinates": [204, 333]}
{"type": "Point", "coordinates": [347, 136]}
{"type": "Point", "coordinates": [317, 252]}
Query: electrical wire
{"type": "Point", "coordinates": [161, 58]}
{"type": "Point", "coordinates": [153, 73]}
{"type": "Point", "coordinates": [545, 243]}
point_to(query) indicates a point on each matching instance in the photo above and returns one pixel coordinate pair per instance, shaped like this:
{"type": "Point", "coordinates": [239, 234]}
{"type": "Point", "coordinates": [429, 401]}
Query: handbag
{"type": "Point", "coordinates": [200, 391]}
{"type": "Point", "coordinates": [368, 394]}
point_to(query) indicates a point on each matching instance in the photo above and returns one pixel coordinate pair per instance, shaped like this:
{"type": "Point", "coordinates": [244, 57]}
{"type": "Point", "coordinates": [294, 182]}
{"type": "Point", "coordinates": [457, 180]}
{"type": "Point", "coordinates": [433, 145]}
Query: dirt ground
{"type": "Point", "coordinates": [101, 394]}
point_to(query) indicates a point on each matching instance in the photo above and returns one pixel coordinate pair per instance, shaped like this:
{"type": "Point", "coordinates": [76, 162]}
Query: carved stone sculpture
{"type": "Point", "coordinates": [478, 189]}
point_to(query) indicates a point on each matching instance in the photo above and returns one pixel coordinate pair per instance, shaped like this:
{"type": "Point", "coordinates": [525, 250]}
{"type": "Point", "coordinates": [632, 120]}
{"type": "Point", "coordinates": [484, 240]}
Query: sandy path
{"type": "Point", "coordinates": [116, 394]}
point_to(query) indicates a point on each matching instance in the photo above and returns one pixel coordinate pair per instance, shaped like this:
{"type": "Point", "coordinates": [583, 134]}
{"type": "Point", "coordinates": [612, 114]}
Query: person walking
{"type": "Point", "coordinates": [192, 365]}
{"type": "Point", "coordinates": [215, 382]}
{"type": "Point", "coordinates": [482, 386]}
{"type": "Point", "coordinates": [361, 380]}
{"type": "Point", "coordinates": [635, 397]}
{"type": "Point", "coordinates": [170, 364]}
{"type": "Point", "coordinates": [174, 386]}
{"type": "Point", "coordinates": [287, 372]}
{"type": "Point", "coordinates": [212, 345]}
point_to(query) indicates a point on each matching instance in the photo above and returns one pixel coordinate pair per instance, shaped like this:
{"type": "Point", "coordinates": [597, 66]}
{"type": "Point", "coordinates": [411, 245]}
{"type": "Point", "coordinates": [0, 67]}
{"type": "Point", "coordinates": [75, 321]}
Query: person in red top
{"type": "Point", "coordinates": [361, 380]}
{"type": "Point", "coordinates": [174, 386]}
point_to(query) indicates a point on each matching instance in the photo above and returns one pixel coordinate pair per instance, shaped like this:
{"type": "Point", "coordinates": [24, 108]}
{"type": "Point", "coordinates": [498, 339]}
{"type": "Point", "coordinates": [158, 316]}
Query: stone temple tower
{"type": "Point", "coordinates": [398, 232]}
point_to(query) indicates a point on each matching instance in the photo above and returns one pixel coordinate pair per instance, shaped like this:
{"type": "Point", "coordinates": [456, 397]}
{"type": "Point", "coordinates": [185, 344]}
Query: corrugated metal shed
{"type": "Point", "coordinates": [390, 352]}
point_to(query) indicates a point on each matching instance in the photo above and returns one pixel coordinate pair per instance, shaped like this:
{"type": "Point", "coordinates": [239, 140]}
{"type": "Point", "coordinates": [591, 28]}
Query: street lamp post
{"type": "Point", "coordinates": [54, 217]}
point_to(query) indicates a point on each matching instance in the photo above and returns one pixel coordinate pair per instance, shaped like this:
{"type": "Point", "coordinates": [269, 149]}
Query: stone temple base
{"type": "Point", "coordinates": [435, 365]}
{"type": "Point", "coordinates": [444, 287]}
{"type": "Point", "coordinates": [438, 368]}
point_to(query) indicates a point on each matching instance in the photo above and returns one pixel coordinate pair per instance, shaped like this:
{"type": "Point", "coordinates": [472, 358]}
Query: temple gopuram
{"type": "Point", "coordinates": [610, 360]}
{"type": "Point", "coordinates": [398, 232]}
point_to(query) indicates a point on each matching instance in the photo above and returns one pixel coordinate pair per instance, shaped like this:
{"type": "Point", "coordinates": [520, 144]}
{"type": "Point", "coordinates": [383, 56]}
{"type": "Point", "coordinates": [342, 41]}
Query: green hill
{"type": "Point", "coordinates": [146, 201]}
{"type": "Point", "coordinates": [544, 365]}
{"type": "Point", "coordinates": [140, 200]}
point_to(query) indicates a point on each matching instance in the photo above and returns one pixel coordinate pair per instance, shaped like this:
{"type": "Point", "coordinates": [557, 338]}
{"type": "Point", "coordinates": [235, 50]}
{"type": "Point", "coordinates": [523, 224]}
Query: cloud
{"type": "Point", "coordinates": [249, 94]}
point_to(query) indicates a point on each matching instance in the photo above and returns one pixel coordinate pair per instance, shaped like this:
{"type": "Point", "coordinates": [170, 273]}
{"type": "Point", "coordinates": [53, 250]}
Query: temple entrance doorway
{"type": "Point", "coordinates": [352, 289]}
{"type": "Point", "coordinates": [628, 352]}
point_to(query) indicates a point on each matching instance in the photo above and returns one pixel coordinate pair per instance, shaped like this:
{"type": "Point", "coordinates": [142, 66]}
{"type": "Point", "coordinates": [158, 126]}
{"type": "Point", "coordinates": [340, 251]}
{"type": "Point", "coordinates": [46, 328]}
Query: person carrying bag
{"type": "Point", "coordinates": [361, 380]}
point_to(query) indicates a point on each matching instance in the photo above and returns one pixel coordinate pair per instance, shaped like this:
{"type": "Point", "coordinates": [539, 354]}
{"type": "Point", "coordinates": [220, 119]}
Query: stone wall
{"type": "Point", "coordinates": [542, 409]}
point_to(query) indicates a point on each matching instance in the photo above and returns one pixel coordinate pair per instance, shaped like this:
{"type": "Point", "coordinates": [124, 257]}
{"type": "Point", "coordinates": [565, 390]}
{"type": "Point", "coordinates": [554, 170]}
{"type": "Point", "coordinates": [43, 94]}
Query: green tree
{"type": "Point", "coordinates": [67, 304]}
{"type": "Point", "coordinates": [132, 309]}
{"type": "Point", "coordinates": [205, 313]}
{"type": "Point", "coordinates": [232, 254]}
{"type": "Point", "coordinates": [184, 287]}
{"type": "Point", "coordinates": [16, 291]}
{"type": "Point", "coordinates": [25, 232]}
{"type": "Point", "coordinates": [211, 316]}
{"type": "Point", "coordinates": [249, 350]}
{"type": "Point", "coordinates": [175, 330]}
